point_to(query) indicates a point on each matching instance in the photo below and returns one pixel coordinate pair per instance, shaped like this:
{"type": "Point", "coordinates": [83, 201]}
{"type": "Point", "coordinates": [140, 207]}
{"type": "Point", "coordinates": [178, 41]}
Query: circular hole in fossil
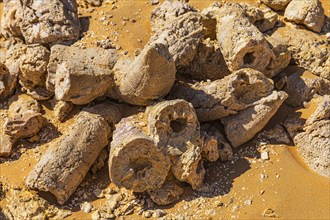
{"type": "Point", "coordinates": [178, 125]}
{"type": "Point", "coordinates": [248, 58]}
{"type": "Point", "coordinates": [140, 166]}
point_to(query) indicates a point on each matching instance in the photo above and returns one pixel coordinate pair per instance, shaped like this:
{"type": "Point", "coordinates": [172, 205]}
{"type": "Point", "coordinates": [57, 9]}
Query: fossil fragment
{"type": "Point", "coordinates": [276, 4]}
{"type": "Point", "coordinates": [150, 76]}
{"type": "Point", "coordinates": [214, 100]}
{"type": "Point", "coordinates": [307, 49]}
{"type": "Point", "coordinates": [314, 142]}
{"type": "Point", "coordinates": [135, 162]}
{"type": "Point", "coordinates": [241, 43]}
{"type": "Point", "coordinates": [307, 12]}
{"type": "Point", "coordinates": [46, 22]}
{"type": "Point", "coordinates": [62, 168]}
{"type": "Point", "coordinates": [243, 126]}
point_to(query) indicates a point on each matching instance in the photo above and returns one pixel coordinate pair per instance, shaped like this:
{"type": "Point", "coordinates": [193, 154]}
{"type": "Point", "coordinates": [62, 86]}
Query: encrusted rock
{"type": "Point", "coordinates": [243, 126]}
{"type": "Point", "coordinates": [307, 49]}
{"type": "Point", "coordinates": [241, 43]}
{"type": "Point", "coordinates": [276, 4]}
{"type": "Point", "coordinates": [46, 22]}
{"type": "Point", "coordinates": [314, 142]}
{"type": "Point", "coordinates": [214, 100]}
{"type": "Point", "coordinates": [307, 12]}
{"type": "Point", "coordinates": [66, 163]}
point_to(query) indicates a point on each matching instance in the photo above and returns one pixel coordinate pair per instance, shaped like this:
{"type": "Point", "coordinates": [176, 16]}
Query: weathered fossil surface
{"type": "Point", "coordinates": [66, 163]}
{"type": "Point", "coordinates": [217, 99]}
{"type": "Point", "coordinates": [307, 12]}
{"type": "Point", "coordinates": [46, 22]}
{"type": "Point", "coordinates": [276, 4]}
{"type": "Point", "coordinates": [241, 43]}
{"type": "Point", "coordinates": [243, 126]}
{"type": "Point", "coordinates": [307, 49]}
{"type": "Point", "coordinates": [314, 142]}
{"type": "Point", "coordinates": [301, 88]}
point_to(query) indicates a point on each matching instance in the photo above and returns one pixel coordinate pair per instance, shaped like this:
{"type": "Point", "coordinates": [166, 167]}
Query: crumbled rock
{"type": "Point", "coordinates": [276, 4]}
{"type": "Point", "coordinates": [307, 12]}
{"type": "Point", "coordinates": [86, 207]}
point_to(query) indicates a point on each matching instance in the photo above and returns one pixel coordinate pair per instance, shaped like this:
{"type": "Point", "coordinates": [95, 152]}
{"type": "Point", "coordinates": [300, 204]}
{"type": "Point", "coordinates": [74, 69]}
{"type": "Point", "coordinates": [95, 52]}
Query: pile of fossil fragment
{"type": "Point", "coordinates": [206, 81]}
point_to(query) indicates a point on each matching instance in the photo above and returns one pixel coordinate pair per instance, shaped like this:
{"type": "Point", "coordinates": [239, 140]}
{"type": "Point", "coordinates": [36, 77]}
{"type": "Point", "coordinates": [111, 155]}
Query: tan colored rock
{"type": "Point", "coordinates": [241, 43]}
{"type": "Point", "coordinates": [12, 15]}
{"type": "Point", "coordinates": [169, 192]}
{"type": "Point", "coordinates": [217, 99]}
{"type": "Point", "coordinates": [181, 36]}
{"type": "Point", "coordinates": [150, 76]}
{"type": "Point", "coordinates": [95, 2]}
{"type": "Point", "coordinates": [6, 144]}
{"type": "Point", "coordinates": [215, 145]}
{"type": "Point", "coordinates": [314, 142]}
{"type": "Point", "coordinates": [276, 4]}
{"type": "Point", "coordinates": [208, 63]}
{"type": "Point", "coordinates": [307, 49]}
{"type": "Point", "coordinates": [24, 117]}
{"type": "Point", "coordinates": [167, 13]}
{"type": "Point", "coordinates": [303, 87]}
{"type": "Point", "coordinates": [135, 162]}
{"type": "Point", "coordinates": [8, 82]}
{"type": "Point", "coordinates": [243, 126]}
{"type": "Point", "coordinates": [307, 12]}
{"type": "Point", "coordinates": [62, 109]}
{"type": "Point", "coordinates": [69, 158]}
{"type": "Point", "coordinates": [268, 20]}
{"type": "Point", "coordinates": [175, 129]}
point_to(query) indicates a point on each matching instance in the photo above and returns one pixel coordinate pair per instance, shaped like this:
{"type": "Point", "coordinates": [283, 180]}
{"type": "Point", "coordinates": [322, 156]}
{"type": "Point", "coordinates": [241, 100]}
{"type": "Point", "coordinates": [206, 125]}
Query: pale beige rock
{"type": "Point", "coordinates": [243, 126]}
{"type": "Point", "coordinates": [24, 117]}
{"type": "Point", "coordinates": [12, 15]}
{"type": "Point", "coordinates": [169, 192]}
{"type": "Point", "coordinates": [182, 37]}
{"type": "Point", "coordinates": [6, 144]}
{"type": "Point", "coordinates": [276, 4]}
{"type": "Point", "coordinates": [214, 100]}
{"type": "Point", "coordinates": [302, 88]}
{"type": "Point", "coordinates": [89, 57]}
{"type": "Point", "coordinates": [62, 109]}
{"type": "Point", "coordinates": [150, 76]}
{"type": "Point", "coordinates": [307, 49]}
{"type": "Point", "coordinates": [7, 82]}
{"type": "Point", "coordinates": [175, 129]}
{"type": "Point", "coordinates": [167, 13]}
{"type": "Point", "coordinates": [95, 2]}
{"type": "Point", "coordinates": [314, 142]}
{"type": "Point", "coordinates": [215, 145]}
{"type": "Point", "coordinates": [307, 12]}
{"type": "Point", "coordinates": [135, 162]}
{"type": "Point", "coordinates": [241, 43]}
{"type": "Point", "coordinates": [69, 158]}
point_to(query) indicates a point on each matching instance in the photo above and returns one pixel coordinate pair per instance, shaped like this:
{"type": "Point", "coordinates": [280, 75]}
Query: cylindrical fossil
{"type": "Point", "coordinates": [66, 163]}
{"type": "Point", "coordinates": [243, 126]}
{"type": "Point", "coordinates": [214, 100]}
{"type": "Point", "coordinates": [241, 43]}
{"type": "Point", "coordinates": [135, 162]}
{"type": "Point", "coordinates": [150, 76]}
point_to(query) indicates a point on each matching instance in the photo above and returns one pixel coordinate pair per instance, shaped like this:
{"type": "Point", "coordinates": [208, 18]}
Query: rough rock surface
{"type": "Point", "coordinates": [215, 145]}
{"type": "Point", "coordinates": [7, 82]}
{"type": "Point", "coordinates": [307, 49]}
{"type": "Point", "coordinates": [24, 117]}
{"type": "Point", "coordinates": [314, 142]}
{"type": "Point", "coordinates": [307, 12]}
{"type": "Point", "coordinates": [276, 4]}
{"type": "Point", "coordinates": [243, 126]}
{"type": "Point", "coordinates": [301, 88]}
{"type": "Point", "coordinates": [135, 162]}
{"type": "Point", "coordinates": [241, 43]}
{"type": "Point", "coordinates": [182, 37]}
{"type": "Point", "coordinates": [46, 22]}
{"type": "Point", "coordinates": [214, 100]}
{"type": "Point", "coordinates": [150, 76]}
{"type": "Point", "coordinates": [66, 163]}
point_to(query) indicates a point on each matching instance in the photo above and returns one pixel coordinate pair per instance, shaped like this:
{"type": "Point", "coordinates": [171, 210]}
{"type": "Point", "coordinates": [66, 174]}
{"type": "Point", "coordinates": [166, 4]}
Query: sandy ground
{"type": "Point", "coordinates": [244, 188]}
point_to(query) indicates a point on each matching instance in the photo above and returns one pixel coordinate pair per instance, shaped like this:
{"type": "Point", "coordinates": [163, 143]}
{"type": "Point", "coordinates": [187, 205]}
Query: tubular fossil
{"type": "Point", "coordinates": [241, 127]}
{"type": "Point", "coordinates": [214, 100]}
{"type": "Point", "coordinates": [241, 43]}
{"type": "Point", "coordinates": [69, 158]}
{"type": "Point", "coordinates": [135, 162]}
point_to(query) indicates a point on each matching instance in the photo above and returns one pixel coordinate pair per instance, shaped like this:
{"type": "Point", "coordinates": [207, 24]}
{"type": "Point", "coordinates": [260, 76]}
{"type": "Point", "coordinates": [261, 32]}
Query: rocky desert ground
{"type": "Point", "coordinates": [164, 109]}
